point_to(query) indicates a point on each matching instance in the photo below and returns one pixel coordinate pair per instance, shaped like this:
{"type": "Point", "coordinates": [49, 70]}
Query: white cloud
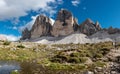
{"type": "Point", "coordinates": [15, 28]}
{"type": "Point", "coordinates": [60, 1]}
{"type": "Point", "coordinates": [17, 8]}
{"type": "Point", "coordinates": [75, 2]}
{"type": "Point", "coordinates": [12, 28]}
{"type": "Point", "coordinates": [10, 37]}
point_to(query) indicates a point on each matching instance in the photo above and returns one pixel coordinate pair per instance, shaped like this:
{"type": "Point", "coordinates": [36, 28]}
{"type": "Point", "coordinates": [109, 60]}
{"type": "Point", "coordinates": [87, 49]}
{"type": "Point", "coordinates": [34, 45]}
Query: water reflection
{"type": "Point", "coordinates": [6, 67]}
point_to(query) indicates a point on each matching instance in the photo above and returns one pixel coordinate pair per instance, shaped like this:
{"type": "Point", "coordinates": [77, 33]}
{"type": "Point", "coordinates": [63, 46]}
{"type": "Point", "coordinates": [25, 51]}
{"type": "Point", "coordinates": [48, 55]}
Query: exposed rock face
{"type": "Point", "coordinates": [97, 25]}
{"type": "Point", "coordinates": [75, 24]}
{"type": "Point", "coordinates": [65, 24]}
{"type": "Point", "coordinates": [88, 27]}
{"type": "Point", "coordinates": [26, 34]}
{"type": "Point", "coordinates": [41, 27]}
{"type": "Point", "coordinates": [112, 30]}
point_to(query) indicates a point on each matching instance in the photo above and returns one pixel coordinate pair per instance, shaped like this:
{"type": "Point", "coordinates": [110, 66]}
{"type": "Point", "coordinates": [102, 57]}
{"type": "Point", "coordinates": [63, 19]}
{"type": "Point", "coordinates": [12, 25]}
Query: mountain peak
{"type": "Point", "coordinates": [63, 24]}
{"type": "Point", "coordinates": [41, 27]}
{"type": "Point", "coordinates": [88, 20]}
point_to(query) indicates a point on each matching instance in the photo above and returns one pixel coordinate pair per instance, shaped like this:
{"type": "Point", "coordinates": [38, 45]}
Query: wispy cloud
{"type": "Point", "coordinates": [60, 1]}
{"type": "Point", "coordinates": [9, 37]}
{"type": "Point", "coordinates": [75, 2]}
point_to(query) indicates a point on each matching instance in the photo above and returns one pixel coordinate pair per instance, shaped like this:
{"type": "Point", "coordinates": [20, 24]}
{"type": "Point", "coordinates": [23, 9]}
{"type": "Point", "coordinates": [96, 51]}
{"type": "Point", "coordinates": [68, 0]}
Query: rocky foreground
{"type": "Point", "coordinates": [34, 58]}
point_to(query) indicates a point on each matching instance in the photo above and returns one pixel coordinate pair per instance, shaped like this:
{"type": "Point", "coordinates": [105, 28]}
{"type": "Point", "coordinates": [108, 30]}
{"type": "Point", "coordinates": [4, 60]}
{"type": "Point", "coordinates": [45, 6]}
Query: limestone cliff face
{"type": "Point", "coordinates": [41, 27]}
{"type": "Point", "coordinates": [98, 26]}
{"type": "Point", "coordinates": [75, 24]}
{"type": "Point", "coordinates": [88, 27]}
{"type": "Point", "coordinates": [64, 24]}
{"type": "Point", "coordinates": [112, 30]}
{"type": "Point", "coordinates": [26, 34]}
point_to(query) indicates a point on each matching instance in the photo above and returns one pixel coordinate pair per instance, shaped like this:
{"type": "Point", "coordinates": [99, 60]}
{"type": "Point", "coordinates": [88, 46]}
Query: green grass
{"type": "Point", "coordinates": [99, 64]}
{"type": "Point", "coordinates": [20, 55]}
{"type": "Point", "coordinates": [14, 72]}
{"type": "Point", "coordinates": [77, 55]}
{"type": "Point", "coordinates": [58, 66]}
{"type": "Point", "coordinates": [72, 57]}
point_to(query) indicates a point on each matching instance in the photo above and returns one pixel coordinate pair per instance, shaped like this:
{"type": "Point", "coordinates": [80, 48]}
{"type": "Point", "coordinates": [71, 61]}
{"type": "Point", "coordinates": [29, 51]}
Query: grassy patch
{"type": "Point", "coordinates": [72, 57]}
{"type": "Point", "coordinates": [20, 46]}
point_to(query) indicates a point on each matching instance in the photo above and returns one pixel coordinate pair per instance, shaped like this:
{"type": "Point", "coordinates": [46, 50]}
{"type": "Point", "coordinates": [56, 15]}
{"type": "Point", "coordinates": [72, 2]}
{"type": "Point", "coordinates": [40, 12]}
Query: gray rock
{"type": "Point", "coordinates": [65, 24]}
{"type": "Point", "coordinates": [112, 30]}
{"type": "Point", "coordinates": [88, 27]}
{"type": "Point", "coordinates": [113, 72]}
{"type": "Point", "coordinates": [99, 69]}
{"type": "Point", "coordinates": [98, 27]}
{"type": "Point", "coordinates": [26, 34]}
{"type": "Point", "coordinates": [75, 24]}
{"type": "Point", "coordinates": [41, 27]}
{"type": "Point", "coordinates": [88, 72]}
{"type": "Point", "coordinates": [12, 49]}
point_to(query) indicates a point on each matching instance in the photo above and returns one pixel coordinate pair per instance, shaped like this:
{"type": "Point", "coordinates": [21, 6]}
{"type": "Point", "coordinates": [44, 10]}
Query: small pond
{"type": "Point", "coordinates": [6, 67]}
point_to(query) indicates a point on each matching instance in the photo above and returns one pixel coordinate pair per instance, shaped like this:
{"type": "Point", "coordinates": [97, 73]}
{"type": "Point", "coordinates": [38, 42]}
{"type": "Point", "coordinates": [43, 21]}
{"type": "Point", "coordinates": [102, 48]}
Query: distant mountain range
{"type": "Point", "coordinates": [65, 24]}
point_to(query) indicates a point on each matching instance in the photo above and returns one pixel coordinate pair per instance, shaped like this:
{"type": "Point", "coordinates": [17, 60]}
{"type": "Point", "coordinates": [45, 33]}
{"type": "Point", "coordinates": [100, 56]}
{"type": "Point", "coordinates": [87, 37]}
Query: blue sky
{"type": "Point", "coordinates": [17, 14]}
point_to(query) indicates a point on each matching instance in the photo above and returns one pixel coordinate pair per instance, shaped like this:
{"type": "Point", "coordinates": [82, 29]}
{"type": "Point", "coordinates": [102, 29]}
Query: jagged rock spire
{"type": "Point", "coordinates": [88, 27]}
{"type": "Point", "coordinates": [41, 27]}
{"type": "Point", "coordinates": [64, 23]}
{"type": "Point", "coordinates": [26, 34]}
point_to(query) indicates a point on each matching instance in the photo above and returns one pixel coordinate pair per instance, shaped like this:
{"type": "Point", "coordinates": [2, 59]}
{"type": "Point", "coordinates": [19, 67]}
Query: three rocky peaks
{"type": "Point", "coordinates": [65, 24]}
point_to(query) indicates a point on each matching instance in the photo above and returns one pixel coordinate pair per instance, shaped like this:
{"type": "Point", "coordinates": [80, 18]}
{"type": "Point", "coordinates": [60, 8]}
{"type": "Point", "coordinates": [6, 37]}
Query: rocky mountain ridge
{"type": "Point", "coordinates": [65, 24]}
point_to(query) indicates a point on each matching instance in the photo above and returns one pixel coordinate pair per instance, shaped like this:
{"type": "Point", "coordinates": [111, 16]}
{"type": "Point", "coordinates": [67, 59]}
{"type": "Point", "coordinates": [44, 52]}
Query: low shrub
{"type": "Point", "coordinates": [60, 58]}
{"type": "Point", "coordinates": [6, 43]}
{"type": "Point", "coordinates": [20, 46]}
{"type": "Point", "coordinates": [77, 60]}
{"type": "Point", "coordinates": [74, 60]}
{"type": "Point", "coordinates": [74, 54]}
{"type": "Point", "coordinates": [82, 59]}
{"type": "Point", "coordinates": [57, 60]}
{"type": "Point", "coordinates": [98, 55]}
{"type": "Point", "coordinates": [99, 64]}
{"type": "Point", "coordinates": [105, 51]}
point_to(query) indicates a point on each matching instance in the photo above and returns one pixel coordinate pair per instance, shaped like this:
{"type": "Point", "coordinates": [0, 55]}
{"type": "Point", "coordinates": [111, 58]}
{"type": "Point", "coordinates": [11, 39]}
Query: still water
{"type": "Point", "coordinates": [6, 67]}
